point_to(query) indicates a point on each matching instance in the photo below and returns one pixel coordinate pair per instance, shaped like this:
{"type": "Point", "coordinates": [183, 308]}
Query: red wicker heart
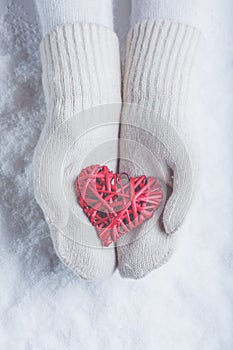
{"type": "Point", "coordinates": [113, 206]}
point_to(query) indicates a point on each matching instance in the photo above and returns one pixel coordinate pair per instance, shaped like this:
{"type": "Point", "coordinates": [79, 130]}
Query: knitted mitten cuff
{"type": "Point", "coordinates": [159, 64]}
{"type": "Point", "coordinates": [81, 68]}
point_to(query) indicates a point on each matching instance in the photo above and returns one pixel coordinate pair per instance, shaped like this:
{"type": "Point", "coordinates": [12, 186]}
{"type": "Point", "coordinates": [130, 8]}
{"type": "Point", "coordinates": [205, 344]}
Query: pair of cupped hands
{"type": "Point", "coordinates": [127, 135]}
{"type": "Point", "coordinates": [74, 145]}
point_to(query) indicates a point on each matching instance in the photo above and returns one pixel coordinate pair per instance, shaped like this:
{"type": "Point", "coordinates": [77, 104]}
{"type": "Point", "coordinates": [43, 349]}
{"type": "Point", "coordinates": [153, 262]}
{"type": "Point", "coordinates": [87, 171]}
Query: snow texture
{"type": "Point", "coordinates": [188, 303]}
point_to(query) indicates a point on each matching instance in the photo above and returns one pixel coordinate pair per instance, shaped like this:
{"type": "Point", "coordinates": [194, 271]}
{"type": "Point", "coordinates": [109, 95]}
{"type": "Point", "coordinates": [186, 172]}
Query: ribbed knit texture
{"type": "Point", "coordinates": [159, 68]}
{"type": "Point", "coordinates": [74, 60]}
{"type": "Point", "coordinates": [56, 13]}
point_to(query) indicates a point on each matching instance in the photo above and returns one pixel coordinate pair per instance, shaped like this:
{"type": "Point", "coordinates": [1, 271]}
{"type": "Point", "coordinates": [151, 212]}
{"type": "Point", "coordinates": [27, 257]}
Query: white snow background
{"type": "Point", "coordinates": [188, 303]}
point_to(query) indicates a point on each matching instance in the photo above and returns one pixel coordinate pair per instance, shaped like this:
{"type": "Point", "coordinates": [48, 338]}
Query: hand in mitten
{"type": "Point", "coordinates": [159, 67]}
{"type": "Point", "coordinates": [75, 80]}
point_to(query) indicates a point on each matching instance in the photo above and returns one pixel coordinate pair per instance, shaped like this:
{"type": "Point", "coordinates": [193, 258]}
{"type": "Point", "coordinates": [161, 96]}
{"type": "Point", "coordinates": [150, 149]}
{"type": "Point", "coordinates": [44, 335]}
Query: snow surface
{"type": "Point", "coordinates": [188, 303]}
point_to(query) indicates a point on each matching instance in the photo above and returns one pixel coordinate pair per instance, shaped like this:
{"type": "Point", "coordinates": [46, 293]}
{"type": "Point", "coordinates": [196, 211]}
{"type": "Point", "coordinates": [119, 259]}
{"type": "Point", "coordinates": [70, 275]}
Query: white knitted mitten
{"type": "Point", "coordinates": [75, 80]}
{"type": "Point", "coordinates": [159, 67]}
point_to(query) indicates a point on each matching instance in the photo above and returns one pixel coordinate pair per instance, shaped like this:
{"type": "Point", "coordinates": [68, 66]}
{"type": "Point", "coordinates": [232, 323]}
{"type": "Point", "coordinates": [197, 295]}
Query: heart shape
{"type": "Point", "coordinates": [113, 206]}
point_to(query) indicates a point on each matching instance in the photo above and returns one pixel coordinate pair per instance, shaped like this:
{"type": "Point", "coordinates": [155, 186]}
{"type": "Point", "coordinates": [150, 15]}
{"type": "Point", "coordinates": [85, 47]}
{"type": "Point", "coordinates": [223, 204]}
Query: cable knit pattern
{"type": "Point", "coordinates": [159, 68]}
{"type": "Point", "coordinates": [74, 60]}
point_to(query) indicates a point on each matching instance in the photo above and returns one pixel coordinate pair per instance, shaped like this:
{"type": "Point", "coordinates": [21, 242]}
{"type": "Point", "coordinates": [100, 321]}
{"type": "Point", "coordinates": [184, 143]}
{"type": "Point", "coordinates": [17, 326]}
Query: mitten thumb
{"type": "Point", "coordinates": [179, 202]}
